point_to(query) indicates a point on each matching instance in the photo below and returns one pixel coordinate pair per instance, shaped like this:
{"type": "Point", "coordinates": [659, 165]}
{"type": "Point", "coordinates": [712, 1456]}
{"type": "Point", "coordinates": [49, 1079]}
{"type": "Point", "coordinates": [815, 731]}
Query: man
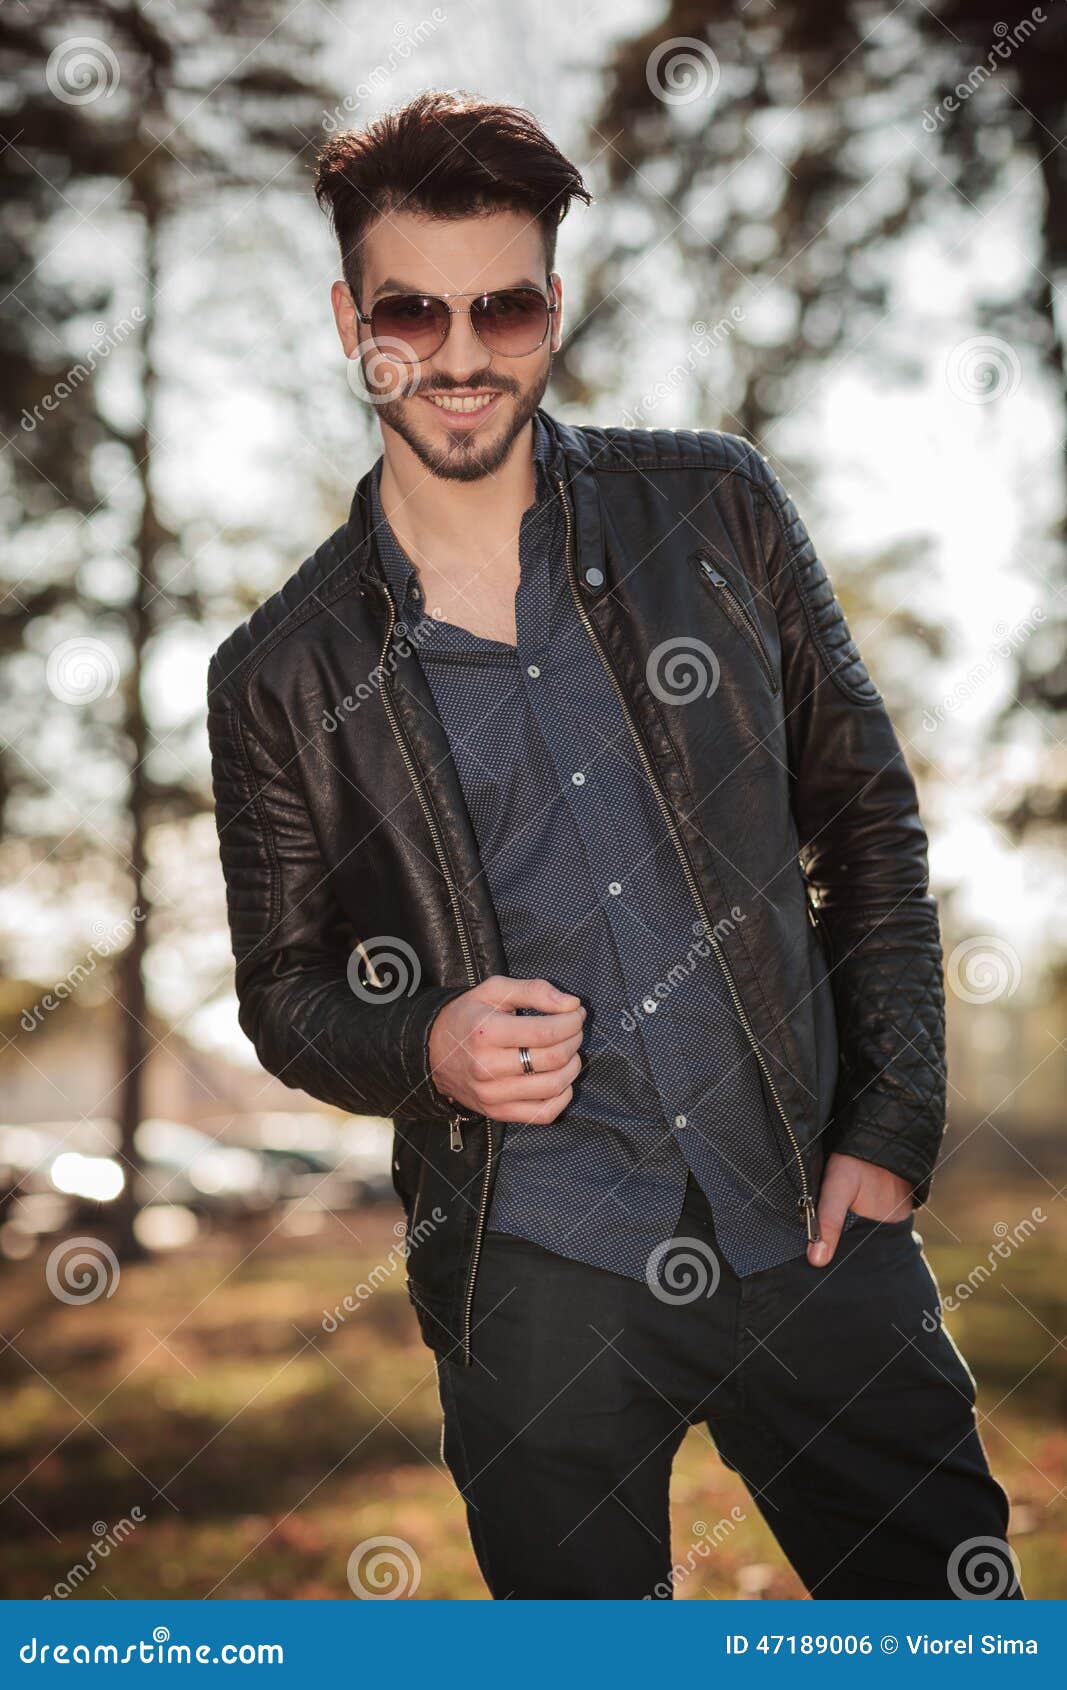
{"type": "Point", "coordinates": [562, 822]}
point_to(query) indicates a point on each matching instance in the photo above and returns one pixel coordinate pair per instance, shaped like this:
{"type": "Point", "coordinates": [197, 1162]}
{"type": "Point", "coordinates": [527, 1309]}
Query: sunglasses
{"type": "Point", "coordinates": [411, 327]}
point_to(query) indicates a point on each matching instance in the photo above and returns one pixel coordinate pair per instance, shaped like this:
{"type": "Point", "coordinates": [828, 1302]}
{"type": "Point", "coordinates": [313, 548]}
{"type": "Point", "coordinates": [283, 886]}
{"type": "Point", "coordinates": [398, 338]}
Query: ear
{"type": "Point", "coordinates": [345, 316]}
{"type": "Point", "coordinates": [556, 284]}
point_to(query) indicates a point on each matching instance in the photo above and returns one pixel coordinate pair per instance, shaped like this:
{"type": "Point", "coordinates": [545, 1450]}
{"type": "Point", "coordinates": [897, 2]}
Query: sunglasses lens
{"type": "Point", "coordinates": [409, 327]}
{"type": "Point", "coordinates": [512, 323]}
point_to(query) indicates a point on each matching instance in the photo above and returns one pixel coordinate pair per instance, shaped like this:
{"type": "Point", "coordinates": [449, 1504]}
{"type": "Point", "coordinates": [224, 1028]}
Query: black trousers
{"type": "Point", "coordinates": [834, 1392]}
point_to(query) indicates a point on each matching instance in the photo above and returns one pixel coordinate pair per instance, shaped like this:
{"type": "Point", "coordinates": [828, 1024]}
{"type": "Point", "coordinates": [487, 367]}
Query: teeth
{"type": "Point", "coordinates": [462, 404]}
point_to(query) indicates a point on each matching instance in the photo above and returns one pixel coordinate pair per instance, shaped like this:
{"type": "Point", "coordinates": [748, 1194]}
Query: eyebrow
{"type": "Point", "coordinates": [393, 285]}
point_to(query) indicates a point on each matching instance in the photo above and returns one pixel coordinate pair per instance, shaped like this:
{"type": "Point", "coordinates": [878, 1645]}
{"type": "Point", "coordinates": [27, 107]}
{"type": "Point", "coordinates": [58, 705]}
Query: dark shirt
{"type": "Point", "coordinates": [590, 894]}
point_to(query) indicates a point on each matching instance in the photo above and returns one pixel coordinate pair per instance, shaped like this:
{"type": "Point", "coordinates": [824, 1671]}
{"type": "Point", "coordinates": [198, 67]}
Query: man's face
{"type": "Point", "coordinates": [409, 254]}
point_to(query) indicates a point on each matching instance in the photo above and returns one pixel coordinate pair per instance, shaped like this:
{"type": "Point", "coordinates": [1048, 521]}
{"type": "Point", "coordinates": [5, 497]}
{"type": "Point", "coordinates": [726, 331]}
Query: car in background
{"type": "Point", "coordinates": [63, 1175]}
{"type": "Point", "coordinates": [52, 1175]}
{"type": "Point", "coordinates": [55, 1176]}
{"type": "Point", "coordinates": [321, 1162]}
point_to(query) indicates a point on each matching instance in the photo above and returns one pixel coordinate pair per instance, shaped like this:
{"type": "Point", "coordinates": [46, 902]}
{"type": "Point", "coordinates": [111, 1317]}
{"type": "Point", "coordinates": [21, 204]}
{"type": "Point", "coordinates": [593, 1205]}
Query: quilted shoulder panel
{"type": "Point", "coordinates": [320, 578]}
{"type": "Point", "coordinates": [607, 450]}
{"type": "Point", "coordinates": [830, 632]}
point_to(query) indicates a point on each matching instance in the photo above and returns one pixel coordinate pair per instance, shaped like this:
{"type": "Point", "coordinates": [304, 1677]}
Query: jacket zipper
{"type": "Point", "coordinates": [806, 1202]}
{"type": "Point", "coordinates": [739, 614]}
{"type": "Point", "coordinates": [455, 1136]}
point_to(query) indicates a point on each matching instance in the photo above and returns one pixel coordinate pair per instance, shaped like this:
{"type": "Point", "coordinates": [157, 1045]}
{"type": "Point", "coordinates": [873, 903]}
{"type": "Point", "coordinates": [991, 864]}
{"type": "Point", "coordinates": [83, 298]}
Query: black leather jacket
{"type": "Point", "coordinates": [342, 823]}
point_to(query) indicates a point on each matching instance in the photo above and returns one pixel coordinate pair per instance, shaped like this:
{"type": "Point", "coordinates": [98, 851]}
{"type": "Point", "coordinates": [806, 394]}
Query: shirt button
{"type": "Point", "coordinates": [650, 1006]}
{"type": "Point", "coordinates": [680, 1121]}
{"type": "Point", "coordinates": [594, 577]}
{"type": "Point", "coordinates": [615, 888]}
{"type": "Point", "coordinates": [533, 671]}
{"type": "Point", "coordinates": [578, 778]}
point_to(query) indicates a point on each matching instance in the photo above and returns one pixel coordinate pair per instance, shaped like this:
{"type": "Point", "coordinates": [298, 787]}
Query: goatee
{"type": "Point", "coordinates": [464, 459]}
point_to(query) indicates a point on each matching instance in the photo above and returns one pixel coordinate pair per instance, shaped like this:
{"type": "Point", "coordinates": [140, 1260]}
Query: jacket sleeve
{"type": "Point", "coordinates": [310, 1028]}
{"type": "Point", "coordinates": [864, 852]}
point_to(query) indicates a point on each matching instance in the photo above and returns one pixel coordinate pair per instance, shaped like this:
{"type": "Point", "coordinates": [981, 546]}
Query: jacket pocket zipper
{"type": "Point", "coordinates": [739, 614]}
{"type": "Point", "coordinates": [817, 922]}
{"type": "Point", "coordinates": [806, 1202]}
{"type": "Point", "coordinates": [455, 1135]}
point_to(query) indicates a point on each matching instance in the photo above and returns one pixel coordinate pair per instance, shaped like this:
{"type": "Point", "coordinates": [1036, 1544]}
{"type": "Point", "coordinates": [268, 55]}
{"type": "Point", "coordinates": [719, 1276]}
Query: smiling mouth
{"type": "Point", "coordinates": [465, 404]}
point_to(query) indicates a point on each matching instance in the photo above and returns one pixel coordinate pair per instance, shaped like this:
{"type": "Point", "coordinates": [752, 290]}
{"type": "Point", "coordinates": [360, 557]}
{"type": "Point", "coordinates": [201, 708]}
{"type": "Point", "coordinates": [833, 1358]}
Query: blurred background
{"type": "Point", "coordinates": [840, 231]}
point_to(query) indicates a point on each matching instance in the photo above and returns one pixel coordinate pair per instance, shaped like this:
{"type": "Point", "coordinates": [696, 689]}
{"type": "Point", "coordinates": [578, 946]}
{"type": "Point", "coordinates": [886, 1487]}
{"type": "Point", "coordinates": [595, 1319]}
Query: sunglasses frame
{"type": "Point", "coordinates": [551, 305]}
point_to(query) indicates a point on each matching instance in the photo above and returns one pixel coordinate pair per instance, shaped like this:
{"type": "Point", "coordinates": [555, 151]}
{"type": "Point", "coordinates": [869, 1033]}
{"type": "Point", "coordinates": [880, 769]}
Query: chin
{"type": "Point", "coordinates": [467, 457]}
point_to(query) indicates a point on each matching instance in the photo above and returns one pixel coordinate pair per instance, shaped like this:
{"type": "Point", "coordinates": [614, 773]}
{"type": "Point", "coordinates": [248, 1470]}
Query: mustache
{"type": "Point", "coordinates": [503, 384]}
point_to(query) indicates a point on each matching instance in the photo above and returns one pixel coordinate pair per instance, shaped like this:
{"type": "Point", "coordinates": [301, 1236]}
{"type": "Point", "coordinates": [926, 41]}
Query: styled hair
{"type": "Point", "coordinates": [444, 154]}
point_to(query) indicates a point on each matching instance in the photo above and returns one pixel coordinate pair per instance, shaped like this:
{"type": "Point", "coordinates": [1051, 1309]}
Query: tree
{"type": "Point", "coordinates": [120, 133]}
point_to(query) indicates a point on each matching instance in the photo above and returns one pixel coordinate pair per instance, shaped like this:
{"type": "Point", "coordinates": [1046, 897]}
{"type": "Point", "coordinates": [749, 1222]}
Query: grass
{"type": "Point", "coordinates": [260, 1448]}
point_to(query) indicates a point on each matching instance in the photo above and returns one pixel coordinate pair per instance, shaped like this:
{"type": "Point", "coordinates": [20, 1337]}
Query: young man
{"type": "Point", "coordinates": [562, 822]}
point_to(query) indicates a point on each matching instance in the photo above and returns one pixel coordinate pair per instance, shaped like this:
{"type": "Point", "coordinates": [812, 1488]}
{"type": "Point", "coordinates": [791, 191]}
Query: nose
{"type": "Point", "coordinates": [463, 354]}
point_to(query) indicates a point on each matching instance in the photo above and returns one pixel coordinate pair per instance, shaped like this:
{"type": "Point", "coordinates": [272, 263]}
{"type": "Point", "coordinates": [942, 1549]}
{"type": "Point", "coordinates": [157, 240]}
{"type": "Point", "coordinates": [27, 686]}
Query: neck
{"type": "Point", "coordinates": [435, 517]}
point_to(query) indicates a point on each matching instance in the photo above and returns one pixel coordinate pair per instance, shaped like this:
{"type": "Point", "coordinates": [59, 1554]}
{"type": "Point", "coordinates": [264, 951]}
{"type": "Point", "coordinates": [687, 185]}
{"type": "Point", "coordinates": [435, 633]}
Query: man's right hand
{"type": "Point", "coordinates": [474, 1049]}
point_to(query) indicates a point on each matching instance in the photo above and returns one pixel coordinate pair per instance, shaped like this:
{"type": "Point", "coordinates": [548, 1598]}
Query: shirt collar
{"type": "Point", "coordinates": [400, 572]}
{"type": "Point", "coordinates": [542, 451]}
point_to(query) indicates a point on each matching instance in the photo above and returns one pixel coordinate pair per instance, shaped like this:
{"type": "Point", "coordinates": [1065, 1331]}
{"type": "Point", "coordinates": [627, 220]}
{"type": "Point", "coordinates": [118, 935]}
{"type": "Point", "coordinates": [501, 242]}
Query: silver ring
{"type": "Point", "coordinates": [524, 1058]}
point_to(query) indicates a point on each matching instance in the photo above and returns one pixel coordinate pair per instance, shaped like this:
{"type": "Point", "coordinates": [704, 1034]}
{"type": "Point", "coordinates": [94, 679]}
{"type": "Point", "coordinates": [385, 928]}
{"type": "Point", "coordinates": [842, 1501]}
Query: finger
{"type": "Point", "coordinates": [833, 1207]}
{"type": "Point", "coordinates": [504, 1064]}
{"type": "Point", "coordinates": [536, 1114]}
{"type": "Point", "coordinates": [520, 1088]}
{"type": "Point", "coordinates": [504, 993]}
{"type": "Point", "coordinates": [511, 1032]}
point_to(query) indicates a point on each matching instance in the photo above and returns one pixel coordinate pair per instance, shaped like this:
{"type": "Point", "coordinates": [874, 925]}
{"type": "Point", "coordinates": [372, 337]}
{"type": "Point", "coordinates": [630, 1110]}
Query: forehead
{"type": "Point", "coordinates": [453, 255]}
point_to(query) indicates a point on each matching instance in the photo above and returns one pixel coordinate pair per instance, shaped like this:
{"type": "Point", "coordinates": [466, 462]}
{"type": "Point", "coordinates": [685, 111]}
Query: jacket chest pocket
{"type": "Point", "coordinates": [737, 612]}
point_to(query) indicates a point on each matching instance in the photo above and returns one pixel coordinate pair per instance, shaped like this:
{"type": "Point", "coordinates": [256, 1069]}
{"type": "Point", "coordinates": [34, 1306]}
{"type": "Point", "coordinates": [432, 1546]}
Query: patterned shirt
{"type": "Point", "coordinates": [590, 894]}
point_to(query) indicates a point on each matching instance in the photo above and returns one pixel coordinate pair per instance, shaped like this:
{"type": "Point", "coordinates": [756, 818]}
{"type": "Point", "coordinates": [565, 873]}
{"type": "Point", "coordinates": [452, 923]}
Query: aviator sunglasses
{"type": "Point", "coordinates": [511, 322]}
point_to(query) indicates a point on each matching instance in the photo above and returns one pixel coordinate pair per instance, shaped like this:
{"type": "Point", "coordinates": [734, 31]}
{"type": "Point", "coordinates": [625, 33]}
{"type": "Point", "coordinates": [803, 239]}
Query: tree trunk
{"type": "Point", "coordinates": [135, 1039]}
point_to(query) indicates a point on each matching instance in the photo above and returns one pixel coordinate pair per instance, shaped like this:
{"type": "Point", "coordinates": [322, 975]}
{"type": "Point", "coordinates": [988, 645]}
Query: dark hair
{"type": "Point", "coordinates": [444, 154]}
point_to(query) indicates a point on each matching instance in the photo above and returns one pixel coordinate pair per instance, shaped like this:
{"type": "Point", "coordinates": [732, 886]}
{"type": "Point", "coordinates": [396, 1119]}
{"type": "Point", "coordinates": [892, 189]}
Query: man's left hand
{"type": "Point", "coordinates": [867, 1189]}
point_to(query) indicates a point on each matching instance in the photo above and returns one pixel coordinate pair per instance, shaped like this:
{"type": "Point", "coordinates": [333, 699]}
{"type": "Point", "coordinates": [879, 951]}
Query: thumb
{"type": "Point", "coordinates": [833, 1207]}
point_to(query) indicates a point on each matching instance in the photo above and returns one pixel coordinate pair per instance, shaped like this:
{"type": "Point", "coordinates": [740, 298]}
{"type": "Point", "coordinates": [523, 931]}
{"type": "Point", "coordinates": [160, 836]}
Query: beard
{"type": "Point", "coordinates": [465, 458]}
